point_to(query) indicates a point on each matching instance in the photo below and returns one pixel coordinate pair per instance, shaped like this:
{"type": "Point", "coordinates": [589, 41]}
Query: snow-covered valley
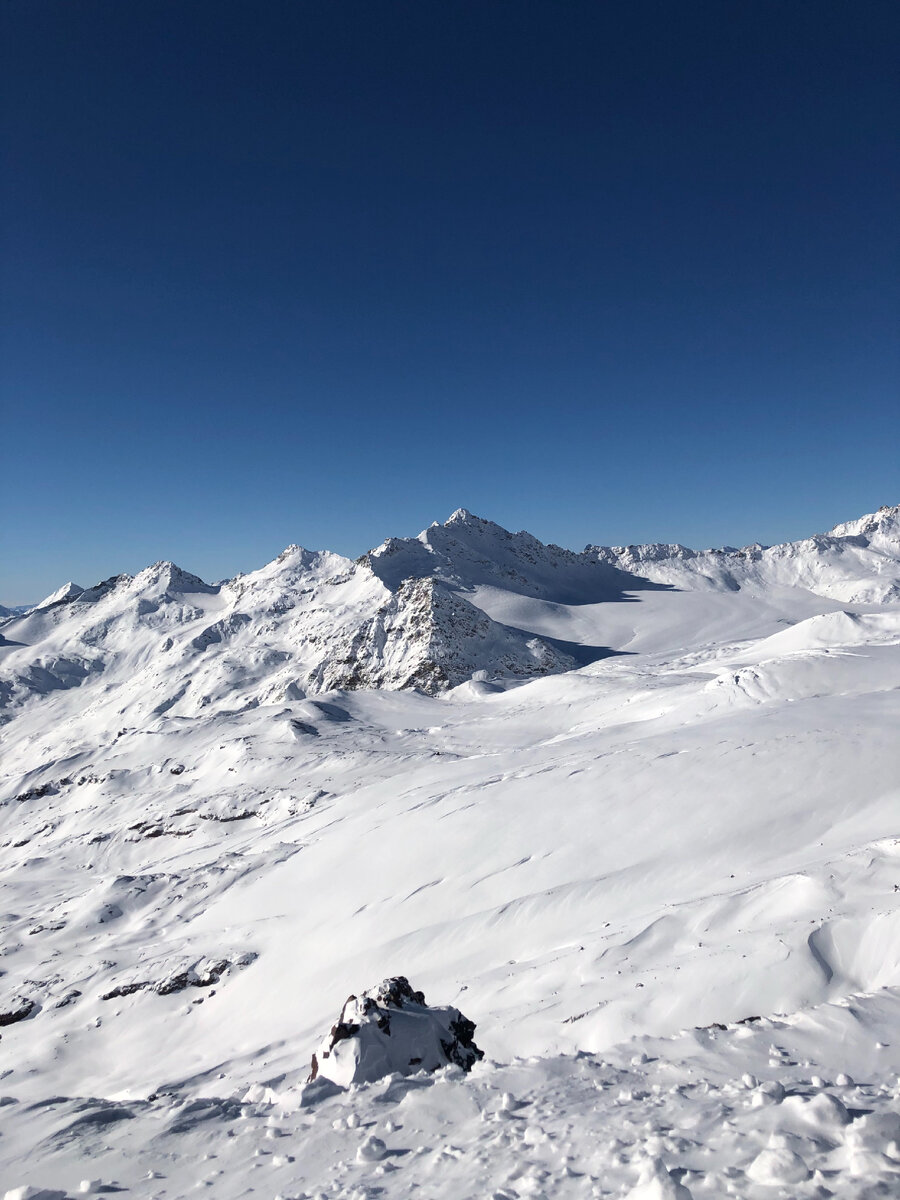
{"type": "Point", "coordinates": [635, 812]}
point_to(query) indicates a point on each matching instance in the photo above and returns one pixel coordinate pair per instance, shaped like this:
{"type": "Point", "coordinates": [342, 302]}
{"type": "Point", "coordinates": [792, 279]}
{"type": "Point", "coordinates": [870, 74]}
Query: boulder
{"type": "Point", "coordinates": [390, 1029]}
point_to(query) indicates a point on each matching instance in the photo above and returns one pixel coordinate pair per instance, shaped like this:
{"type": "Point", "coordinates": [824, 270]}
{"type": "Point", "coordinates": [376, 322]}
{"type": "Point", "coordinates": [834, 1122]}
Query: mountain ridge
{"type": "Point", "coordinates": [462, 599]}
{"type": "Point", "coordinates": [881, 525]}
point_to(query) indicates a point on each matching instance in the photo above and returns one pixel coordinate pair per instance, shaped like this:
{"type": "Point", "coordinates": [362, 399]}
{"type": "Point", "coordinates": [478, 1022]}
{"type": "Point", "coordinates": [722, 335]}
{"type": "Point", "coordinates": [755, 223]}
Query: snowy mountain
{"type": "Point", "coordinates": [463, 598]}
{"type": "Point", "coordinates": [593, 801]}
{"type": "Point", "coordinates": [857, 562]}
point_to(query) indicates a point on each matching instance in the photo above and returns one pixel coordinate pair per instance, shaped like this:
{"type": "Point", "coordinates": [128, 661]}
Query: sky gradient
{"type": "Point", "coordinates": [323, 272]}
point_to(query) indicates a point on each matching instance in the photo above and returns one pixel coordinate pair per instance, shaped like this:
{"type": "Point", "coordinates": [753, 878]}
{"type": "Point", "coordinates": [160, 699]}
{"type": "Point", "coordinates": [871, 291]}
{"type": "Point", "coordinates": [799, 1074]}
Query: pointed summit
{"type": "Point", "coordinates": [461, 516]}
{"type": "Point", "coordinates": [167, 578]}
{"type": "Point", "coordinates": [68, 591]}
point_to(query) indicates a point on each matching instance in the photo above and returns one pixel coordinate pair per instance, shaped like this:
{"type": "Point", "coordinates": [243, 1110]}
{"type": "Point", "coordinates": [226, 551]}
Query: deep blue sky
{"type": "Point", "coordinates": [324, 271]}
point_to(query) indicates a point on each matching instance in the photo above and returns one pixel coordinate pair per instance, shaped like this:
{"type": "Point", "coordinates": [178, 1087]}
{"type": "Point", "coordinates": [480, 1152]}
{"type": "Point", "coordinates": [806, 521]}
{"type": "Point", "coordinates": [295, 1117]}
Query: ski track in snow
{"type": "Point", "coordinates": [208, 840]}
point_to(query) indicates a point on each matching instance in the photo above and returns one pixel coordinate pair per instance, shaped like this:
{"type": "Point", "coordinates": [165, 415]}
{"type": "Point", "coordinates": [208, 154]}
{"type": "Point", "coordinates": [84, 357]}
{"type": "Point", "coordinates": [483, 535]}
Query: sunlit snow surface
{"type": "Point", "coordinates": [701, 829]}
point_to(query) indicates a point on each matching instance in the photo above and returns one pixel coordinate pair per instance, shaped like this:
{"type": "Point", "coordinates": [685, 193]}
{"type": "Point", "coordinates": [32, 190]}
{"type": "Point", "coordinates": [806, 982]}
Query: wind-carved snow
{"type": "Point", "coordinates": [224, 808]}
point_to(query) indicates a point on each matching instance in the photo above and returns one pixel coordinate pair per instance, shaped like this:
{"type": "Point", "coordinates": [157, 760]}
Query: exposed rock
{"type": "Point", "coordinates": [202, 974]}
{"type": "Point", "coordinates": [124, 989]}
{"type": "Point", "coordinates": [69, 998]}
{"type": "Point", "coordinates": [19, 1009]}
{"type": "Point", "coordinates": [391, 1029]}
{"type": "Point", "coordinates": [42, 790]}
{"type": "Point", "coordinates": [431, 638]}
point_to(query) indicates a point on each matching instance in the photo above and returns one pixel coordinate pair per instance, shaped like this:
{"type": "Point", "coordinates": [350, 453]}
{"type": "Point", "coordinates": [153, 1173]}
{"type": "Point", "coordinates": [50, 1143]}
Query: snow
{"type": "Point", "coordinates": [655, 862]}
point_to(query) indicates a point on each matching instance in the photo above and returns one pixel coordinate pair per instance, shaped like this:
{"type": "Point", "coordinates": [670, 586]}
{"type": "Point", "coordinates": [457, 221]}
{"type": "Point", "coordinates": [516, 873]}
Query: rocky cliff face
{"type": "Point", "coordinates": [428, 637]}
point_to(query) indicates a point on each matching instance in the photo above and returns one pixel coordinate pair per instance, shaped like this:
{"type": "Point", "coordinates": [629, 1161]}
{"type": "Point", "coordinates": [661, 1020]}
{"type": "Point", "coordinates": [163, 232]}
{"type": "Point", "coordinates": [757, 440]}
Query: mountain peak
{"type": "Point", "coordinates": [68, 591]}
{"type": "Point", "coordinates": [462, 516]}
{"type": "Point", "coordinates": [167, 578]}
{"type": "Point", "coordinates": [884, 522]}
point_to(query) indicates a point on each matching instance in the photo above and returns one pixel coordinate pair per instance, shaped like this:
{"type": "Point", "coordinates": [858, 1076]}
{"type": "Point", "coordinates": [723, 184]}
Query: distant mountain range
{"type": "Point", "coordinates": [464, 601]}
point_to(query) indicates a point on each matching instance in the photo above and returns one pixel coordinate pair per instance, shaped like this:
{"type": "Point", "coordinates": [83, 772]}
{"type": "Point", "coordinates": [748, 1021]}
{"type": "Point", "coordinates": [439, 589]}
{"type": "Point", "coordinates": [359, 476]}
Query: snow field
{"type": "Point", "coordinates": [738, 1111]}
{"type": "Point", "coordinates": [204, 850]}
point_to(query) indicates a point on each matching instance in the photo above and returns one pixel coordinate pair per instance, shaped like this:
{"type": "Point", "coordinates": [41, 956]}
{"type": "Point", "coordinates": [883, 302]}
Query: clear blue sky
{"type": "Point", "coordinates": [322, 271]}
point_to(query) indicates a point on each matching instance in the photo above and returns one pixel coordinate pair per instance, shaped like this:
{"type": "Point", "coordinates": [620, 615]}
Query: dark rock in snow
{"type": "Point", "coordinates": [124, 989]}
{"type": "Point", "coordinates": [19, 1010]}
{"type": "Point", "coordinates": [391, 1029]}
{"type": "Point", "coordinates": [203, 975]}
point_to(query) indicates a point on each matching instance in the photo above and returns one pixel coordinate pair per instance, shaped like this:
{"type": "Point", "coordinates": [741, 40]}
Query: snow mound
{"type": "Point", "coordinates": [834, 629]}
{"type": "Point", "coordinates": [390, 1029]}
{"type": "Point", "coordinates": [656, 1183]}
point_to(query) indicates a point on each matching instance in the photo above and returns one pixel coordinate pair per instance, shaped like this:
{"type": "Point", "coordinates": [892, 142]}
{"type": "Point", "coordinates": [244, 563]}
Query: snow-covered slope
{"type": "Point", "coordinates": [467, 552]}
{"type": "Point", "coordinates": [223, 809]}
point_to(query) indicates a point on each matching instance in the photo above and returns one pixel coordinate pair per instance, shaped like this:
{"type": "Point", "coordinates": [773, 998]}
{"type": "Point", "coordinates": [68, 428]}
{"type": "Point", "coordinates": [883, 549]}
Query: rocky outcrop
{"type": "Point", "coordinates": [431, 638]}
{"type": "Point", "coordinates": [390, 1029]}
{"type": "Point", "coordinates": [19, 1008]}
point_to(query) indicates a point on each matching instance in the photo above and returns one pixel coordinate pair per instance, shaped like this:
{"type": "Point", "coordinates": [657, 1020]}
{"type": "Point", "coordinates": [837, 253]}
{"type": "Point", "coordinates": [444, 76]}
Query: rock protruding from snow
{"type": "Point", "coordinates": [390, 1029]}
{"type": "Point", "coordinates": [431, 638]}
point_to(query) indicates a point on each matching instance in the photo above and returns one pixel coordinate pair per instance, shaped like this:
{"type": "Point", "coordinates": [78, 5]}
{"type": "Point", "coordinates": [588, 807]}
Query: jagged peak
{"type": "Point", "coordinates": [63, 595]}
{"type": "Point", "coordinates": [885, 520]}
{"type": "Point", "coordinates": [295, 554]}
{"type": "Point", "coordinates": [168, 576]}
{"type": "Point", "coordinates": [462, 516]}
{"type": "Point", "coordinates": [649, 551]}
